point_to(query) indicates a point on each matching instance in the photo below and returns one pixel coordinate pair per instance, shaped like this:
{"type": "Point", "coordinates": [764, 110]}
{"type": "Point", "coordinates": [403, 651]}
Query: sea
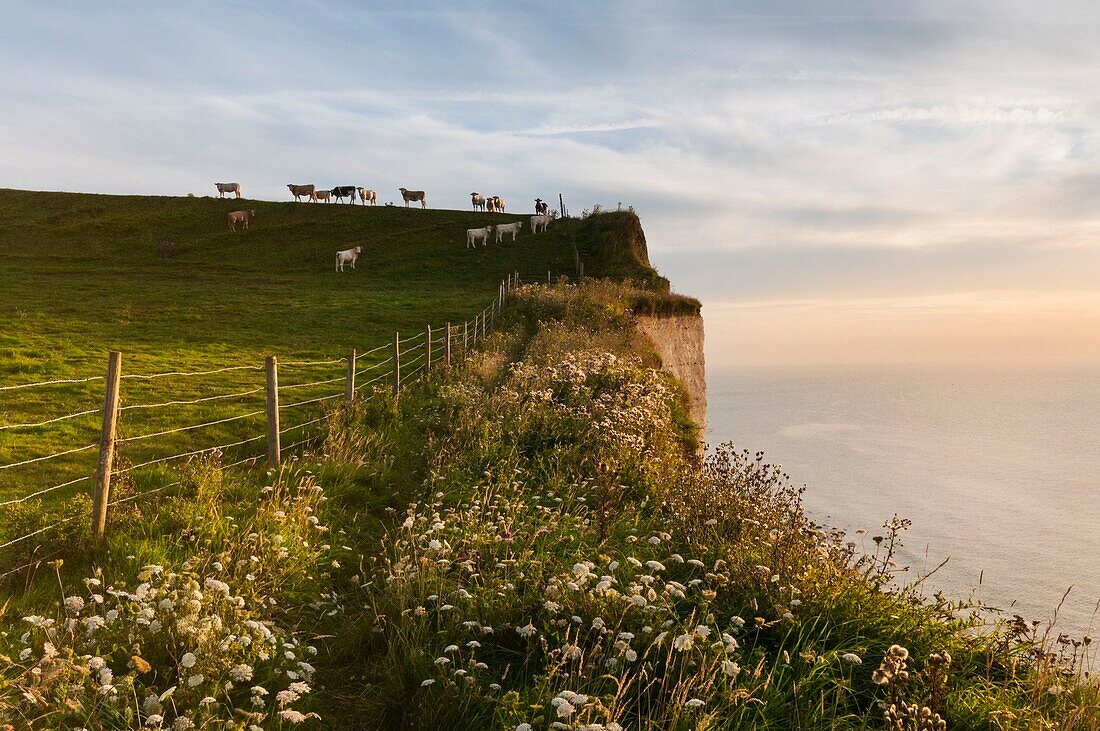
{"type": "Point", "coordinates": [997, 467]}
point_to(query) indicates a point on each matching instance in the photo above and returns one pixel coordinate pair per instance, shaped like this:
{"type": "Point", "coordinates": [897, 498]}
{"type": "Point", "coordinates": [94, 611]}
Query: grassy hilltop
{"type": "Point", "coordinates": [163, 280]}
{"type": "Point", "coordinates": [524, 541]}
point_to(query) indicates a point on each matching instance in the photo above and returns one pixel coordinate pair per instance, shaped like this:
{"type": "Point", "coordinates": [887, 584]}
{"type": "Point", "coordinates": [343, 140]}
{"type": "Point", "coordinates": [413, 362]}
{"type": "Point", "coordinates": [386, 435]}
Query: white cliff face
{"type": "Point", "coordinates": [678, 339]}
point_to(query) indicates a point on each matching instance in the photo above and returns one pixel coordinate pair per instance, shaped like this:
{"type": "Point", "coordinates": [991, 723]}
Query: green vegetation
{"type": "Point", "coordinates": [165, 281]}
{"type": "Point", "coordinates": [523, 541]}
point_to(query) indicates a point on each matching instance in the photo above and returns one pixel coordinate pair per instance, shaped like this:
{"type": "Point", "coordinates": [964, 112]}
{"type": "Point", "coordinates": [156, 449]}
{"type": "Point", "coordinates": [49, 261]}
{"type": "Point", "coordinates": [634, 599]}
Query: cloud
{"type": "Point", "coordinates": [804, 149]}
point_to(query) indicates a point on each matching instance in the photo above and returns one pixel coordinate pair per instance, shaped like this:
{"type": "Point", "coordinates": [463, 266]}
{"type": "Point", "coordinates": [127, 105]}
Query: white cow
{"type": "Point", "coordinates": [478, 200]}
{"type": "Point", "coordinates": [508, 228]}
{"type": "Point", "coordinates": [347, 256]}
{"type": "Point", "coordinates": [476, 235]}
{"type": "Point", "coordinates": [539, 223]}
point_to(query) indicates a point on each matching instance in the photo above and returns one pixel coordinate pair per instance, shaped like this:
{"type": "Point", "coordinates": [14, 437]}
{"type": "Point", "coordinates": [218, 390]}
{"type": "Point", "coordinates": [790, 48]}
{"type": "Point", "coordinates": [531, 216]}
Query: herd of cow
{"type": "Point", "coordinates": [474, 236]}
{"type": "Point", "coordinates": [491, 203]}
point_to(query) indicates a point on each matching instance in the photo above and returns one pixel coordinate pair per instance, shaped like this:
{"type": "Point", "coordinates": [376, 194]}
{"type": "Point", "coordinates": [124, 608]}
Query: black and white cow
{"type": "Point", "coordinates": [344, 191]}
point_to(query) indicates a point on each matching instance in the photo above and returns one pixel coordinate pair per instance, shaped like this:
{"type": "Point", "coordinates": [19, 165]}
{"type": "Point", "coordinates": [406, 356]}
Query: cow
{"type": "Point", "coordinates": [368, 195]}
{"type": "Point", "coordinates": [541, 208]}
{"type": "Point", "coordinates": [347, 256]}
{"type": "Point", "coordinates": [490, 204]}
{"type": "Point", "coordinates": [478, 200]}
{"type": "Point", "coordinates": [414, 195]}
{"type": "Point", "coordinates": [244, 217]}
{"type": "Point", "coordinates": [474, 235]}
{"type": "Point", "coordinates": [341, 192]}
{"type": "Point", "coordinates": [507, 228]}
{"type": "Point", "coordinates": [498, 204]}
{"type": "Point", "coordinates": [309, 191]}
{"type": "Point", "coordinates": [323, 195]}
{"type": "Point", "coordinates": [224, 188]}
{"type": "Point", "coordinates": [539, 223]}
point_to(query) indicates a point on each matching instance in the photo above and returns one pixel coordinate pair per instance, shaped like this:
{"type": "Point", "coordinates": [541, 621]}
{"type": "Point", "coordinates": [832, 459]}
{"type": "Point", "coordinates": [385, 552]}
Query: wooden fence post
{"type": "Point", "coordinates": [349, 389]}
{"type": "Point", "coordinates": [465, 337]}
{"type": "Point", "coordinates": [548, 277]}
{"type": "Point", "coordinates": [396, 355]}
{"type": "Point", "coordinates": [102, 493]}
{"type": "Point", "coordinates": [271, 367]}
{"type": "Point", "coordinates": [447, 353]}
{"type": "Point", "coordinates": [428, 351]}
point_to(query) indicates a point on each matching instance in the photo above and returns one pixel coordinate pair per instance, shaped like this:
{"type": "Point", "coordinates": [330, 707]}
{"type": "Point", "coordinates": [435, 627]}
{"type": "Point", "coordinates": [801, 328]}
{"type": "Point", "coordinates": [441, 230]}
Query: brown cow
{"type": "Point", "coordinates": [414, 195]}
{"type": "Point", "coordinates": [368, 195]}
{"type": "Point", "coordinates": [224, 188]}
{"type": "Point", "coordinates": [323, 195]}
{"type": "Point", "coordinates": [244, 217]}
{"type": "Point", "coordinates": [310, 191]}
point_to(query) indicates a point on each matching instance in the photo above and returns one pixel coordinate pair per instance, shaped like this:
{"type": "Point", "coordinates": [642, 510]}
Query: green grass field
{"type": "Point", "coordinates": [84, 274]}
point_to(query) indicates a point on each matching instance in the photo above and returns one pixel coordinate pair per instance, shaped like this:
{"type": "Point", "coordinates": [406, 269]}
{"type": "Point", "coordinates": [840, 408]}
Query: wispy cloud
{"type": "Point", "coordinates": [799, 149]}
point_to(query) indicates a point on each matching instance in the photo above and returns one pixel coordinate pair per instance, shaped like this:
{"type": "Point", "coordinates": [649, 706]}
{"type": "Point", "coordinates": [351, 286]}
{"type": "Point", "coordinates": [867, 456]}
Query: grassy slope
{"type": "Point", "coordinates": [82, 275]}
{"type": "Point", "coordinates": [498, 464]}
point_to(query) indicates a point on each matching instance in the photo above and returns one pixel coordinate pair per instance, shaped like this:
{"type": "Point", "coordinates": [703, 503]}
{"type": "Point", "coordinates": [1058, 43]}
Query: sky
{"type": "Point", "coordinates": [838, 182]}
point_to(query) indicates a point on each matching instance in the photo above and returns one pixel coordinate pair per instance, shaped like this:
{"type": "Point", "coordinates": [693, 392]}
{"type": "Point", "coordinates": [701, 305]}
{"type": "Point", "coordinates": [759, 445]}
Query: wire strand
{"type": "Point", "coordinates": [161, 460]}
{"type": "Point", "coordinates": [387, 361]}
{"type": "Point", "coordinates": [240, 394]}
{"type": "Point", "coordinates": [146, 493]}
{"type": "Point", "coordinates": [49, 456]}
{"type": "Point", "coordinates": [151, 376]}
{"type": "Point", "coordinates": [32, 534]}
{"type": "Point", "coordinates": [50, 383]}
{"type": "Point", "coordinates": [314, 383]}
{"type": "Point", "coordinates": [305, 423]}
{"type": "Point", "coordinates": [191, 427]}
{"type": "Point", "coordinates": [310, 401]}
{"type": "Point", "coordinates": [372, 350]}
{"type": "Point", "coordinates": [31, 425]}
{"type": "Point", "coordinates": [291, 363]}
{"type": "Point", "coordinates": [25, 498]}
{"type": "Point", "coordinates": [374, 380]}
{"type": "Point", "coordinates": [35, 562]}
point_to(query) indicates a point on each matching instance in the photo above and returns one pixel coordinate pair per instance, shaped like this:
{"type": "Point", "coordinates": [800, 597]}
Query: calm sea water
{"type": "Point", "coordinates": [998, 468]}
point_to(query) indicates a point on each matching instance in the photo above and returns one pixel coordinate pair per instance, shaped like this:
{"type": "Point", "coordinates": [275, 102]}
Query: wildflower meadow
{"type": "Point", "coordinates": [530, 540]}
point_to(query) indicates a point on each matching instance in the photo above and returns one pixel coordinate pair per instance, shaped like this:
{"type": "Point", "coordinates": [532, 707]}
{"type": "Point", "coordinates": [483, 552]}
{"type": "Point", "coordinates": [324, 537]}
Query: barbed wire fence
{"type": "Point", "coordinates": [393, 366]}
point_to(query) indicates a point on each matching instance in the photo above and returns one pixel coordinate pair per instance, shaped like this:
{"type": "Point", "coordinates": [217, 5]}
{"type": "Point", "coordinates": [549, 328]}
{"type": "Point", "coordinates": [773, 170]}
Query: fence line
{"type": "Point", "coordinates": [425, 345]}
